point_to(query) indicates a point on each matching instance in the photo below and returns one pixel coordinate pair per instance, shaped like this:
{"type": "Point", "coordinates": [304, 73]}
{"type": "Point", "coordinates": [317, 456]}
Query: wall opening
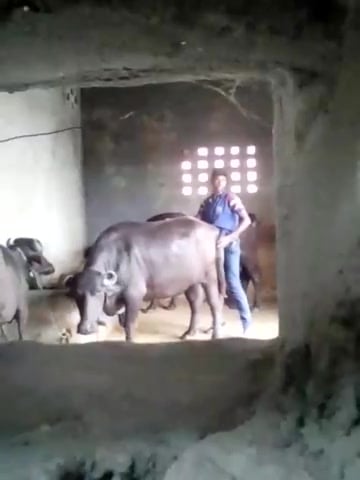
{"type": "Point", "coordinates": [150, 149]}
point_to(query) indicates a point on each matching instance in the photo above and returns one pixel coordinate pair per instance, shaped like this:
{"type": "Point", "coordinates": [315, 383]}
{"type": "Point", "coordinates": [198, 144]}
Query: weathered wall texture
{"type": "Point", "coordinates": [134, 138]}
{"type": "Point", "coordinates": [150, 42]}
{"type": "Point", "coordinates": [41, 192]}
{"type": "Point", "coordinates": [317, 150]}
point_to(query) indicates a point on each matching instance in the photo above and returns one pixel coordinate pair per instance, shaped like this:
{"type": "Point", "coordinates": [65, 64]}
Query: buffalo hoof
{"type": "Point", "coordinates": [172, 306]}
{"type": "Point", "coordinates": [151, 306]}
{"type": "Point", "coordinates": [122, 320]}
{"type": "Point", "coordinates": [102, 323]}
{"type": "Point", "coordinates": [188, 334]}
{"type": "Point", "coordinates": [210, 329]}
{"type": "Point", "coordinates": [86, 330]}
{"type": "Point", "coordinates": [215, 335]}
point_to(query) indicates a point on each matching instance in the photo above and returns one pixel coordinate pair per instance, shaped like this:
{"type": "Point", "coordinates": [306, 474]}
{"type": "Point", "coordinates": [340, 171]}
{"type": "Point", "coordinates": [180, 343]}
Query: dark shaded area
{"type": "Point", "coordinates": [82, 470]}
{"type": "Point", "coordinates": [290, 17]}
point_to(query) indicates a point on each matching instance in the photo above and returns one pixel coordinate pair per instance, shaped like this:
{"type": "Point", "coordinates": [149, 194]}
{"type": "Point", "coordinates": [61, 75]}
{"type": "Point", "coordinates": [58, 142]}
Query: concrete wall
{"type": "Point", "coordinates": [318, 197]}
{"type": "Point", "coordinates": [133, 143]}
{"type": "Point", "coordinates": [41, 192]}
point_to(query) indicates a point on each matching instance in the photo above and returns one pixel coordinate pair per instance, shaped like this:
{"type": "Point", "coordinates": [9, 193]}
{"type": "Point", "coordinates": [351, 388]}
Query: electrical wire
{"type": "Point", "coordinates": [17, 137]}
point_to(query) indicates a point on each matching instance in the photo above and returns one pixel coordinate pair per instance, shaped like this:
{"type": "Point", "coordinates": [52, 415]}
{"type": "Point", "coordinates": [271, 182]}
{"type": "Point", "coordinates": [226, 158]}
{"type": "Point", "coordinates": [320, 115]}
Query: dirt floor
{"type": "Point", "coordinates": [54, 318]}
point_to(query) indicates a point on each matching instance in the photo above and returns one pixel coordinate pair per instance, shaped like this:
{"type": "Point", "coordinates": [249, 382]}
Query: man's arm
{"type": "Point", "coordinates": [237, 206]}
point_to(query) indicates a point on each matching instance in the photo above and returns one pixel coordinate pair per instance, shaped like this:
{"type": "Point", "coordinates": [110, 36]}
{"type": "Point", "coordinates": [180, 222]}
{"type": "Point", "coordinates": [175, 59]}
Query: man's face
{"type": "Point", "coordinates": [219, 183]}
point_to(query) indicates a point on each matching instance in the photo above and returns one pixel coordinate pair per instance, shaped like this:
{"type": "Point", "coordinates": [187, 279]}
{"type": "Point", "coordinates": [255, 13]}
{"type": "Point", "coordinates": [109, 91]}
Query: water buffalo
{"type": "Point", "coordinates": [33, 250]}
{"type": "Point", "coordinates": [126, 266]}
{"type": "Point", "coordinates": [249, 266]}
{"type": "Point", "coordinates": [19, 261]}
{"type": "Point", "coordinates": [153, 303]}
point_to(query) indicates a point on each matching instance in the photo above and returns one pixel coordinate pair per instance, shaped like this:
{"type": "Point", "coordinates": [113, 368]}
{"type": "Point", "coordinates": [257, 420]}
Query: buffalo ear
{"type": "Point", "coordinates": [109, 278]}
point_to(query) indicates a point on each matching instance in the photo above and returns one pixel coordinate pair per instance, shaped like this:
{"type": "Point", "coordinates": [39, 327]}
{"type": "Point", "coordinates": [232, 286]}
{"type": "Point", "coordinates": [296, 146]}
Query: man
{"type": "Point", "coordinates": [226, 211]}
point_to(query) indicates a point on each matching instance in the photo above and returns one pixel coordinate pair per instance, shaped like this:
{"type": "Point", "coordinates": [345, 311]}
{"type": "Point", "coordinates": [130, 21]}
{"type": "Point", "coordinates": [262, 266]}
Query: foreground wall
{"type": "Point", "coordinates": [318, 194]}
{"type": "Point", "coordinates": [41, 192]}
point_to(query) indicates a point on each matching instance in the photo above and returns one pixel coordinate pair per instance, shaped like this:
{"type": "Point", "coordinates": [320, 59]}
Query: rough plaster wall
{"type": "Point", "coordinates": [133, 143]}
{"type": "Point", "coordinates": [118, 46]}
{"type": "Point", "coordinates": [41, 193]}
{"type": "Point", "coordinates": [318, 196]}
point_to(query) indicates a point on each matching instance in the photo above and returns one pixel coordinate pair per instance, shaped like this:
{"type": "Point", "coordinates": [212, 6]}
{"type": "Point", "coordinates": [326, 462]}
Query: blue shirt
{"type": "Point", "coordinates": [224, 210]}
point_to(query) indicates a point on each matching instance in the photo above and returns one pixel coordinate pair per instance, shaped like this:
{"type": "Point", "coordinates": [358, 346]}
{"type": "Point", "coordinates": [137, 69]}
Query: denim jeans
{"type": "Point", "coordinates": [236, 292]}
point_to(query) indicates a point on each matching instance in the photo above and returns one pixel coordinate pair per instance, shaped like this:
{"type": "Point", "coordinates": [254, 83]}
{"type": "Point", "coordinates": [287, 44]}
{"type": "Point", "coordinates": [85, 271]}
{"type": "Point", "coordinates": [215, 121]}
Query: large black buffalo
{"type": "Point", "coordinates": [125, 266]}
{"type": "Point", "coordinates": [153, 303]}
{"type": "Point", "coordinates": [20, 261]}
{"type": "Point", "coordinates": [249, 266]}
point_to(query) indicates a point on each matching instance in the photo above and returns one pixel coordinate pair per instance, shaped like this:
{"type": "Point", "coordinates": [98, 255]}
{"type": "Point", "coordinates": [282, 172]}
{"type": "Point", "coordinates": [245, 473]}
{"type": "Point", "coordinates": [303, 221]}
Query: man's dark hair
{"type": "Point", "coordinates": [218, 172]}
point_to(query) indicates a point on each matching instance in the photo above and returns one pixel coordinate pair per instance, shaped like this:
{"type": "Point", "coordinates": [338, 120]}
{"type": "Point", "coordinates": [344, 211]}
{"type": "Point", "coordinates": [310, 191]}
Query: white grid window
{"type": "Point", "coordinates": [240, 162]}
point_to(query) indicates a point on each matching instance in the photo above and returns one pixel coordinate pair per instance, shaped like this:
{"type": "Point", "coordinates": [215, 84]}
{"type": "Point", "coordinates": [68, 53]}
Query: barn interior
{"type": "Point", "coordinates": [286, 407]}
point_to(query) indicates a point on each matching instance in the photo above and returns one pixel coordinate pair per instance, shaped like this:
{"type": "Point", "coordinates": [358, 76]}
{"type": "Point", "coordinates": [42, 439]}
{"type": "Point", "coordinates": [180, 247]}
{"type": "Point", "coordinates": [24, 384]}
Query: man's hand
{"type": "Point", "coordinates": [225, 241]}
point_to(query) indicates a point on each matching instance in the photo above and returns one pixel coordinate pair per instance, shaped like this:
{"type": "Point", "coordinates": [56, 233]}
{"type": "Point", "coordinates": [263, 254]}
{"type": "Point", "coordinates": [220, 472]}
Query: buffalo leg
{"type": "Point", "coordinates": [21, 320]}
{"type": "Point", "coordinates": [171, 305]}
{"type": "Point", "coordinates": [132, 309]}
{"type": "Point", "coordinates": [256, 302]}
{"type": "Point", "coordinates": [194, 295]}
{"type": "Point", "coordinates": [151, 306]}
{"type": "Point", "coordinates": [3, 333]}
{"type": "Point", "coordinates": [245, 283]}
{"type": "Point", "coordinates": [214, 300]}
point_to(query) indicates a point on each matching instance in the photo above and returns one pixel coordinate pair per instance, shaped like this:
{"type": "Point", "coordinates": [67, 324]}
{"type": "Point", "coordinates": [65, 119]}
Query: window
{"type": "Point", "coordinates": [235, 188]}
{"type": "Point", "coordinates": [186, 165]}
{"type": "Point", "coordinates": [202, 164]}
{"type": "Point", "coordinates": [251, 162]}
{"type": "Point", "coordinates": [219, 163]}
{"type": "Point", "coordinates": [219, 151]}
{"type": "Point", "coordinates": [186, 178]}
{"type": "Point", "coordinates": [202, 190]}
{"type": "Point", "coordinates": [235, 176]}
{"type": "Point", "coordinates": [186, 191]}
{"type": "Point", "coordinates": [240, 161]}
{"type": "Point", "coordinates": [203, 177]}
{"type": "Point", "coordinates": [202, 152]}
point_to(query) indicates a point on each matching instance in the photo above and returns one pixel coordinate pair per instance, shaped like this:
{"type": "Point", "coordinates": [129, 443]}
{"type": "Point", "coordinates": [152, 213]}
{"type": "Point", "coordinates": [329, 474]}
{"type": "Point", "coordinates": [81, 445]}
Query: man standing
{"type": "Point", "coordinates": [226, 211]}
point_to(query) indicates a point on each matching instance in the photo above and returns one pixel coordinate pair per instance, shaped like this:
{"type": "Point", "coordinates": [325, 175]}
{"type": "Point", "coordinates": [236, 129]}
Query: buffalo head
{"type": "Point", "coordinates": [254, 219]}
{"type": "Point", "coordinates": [31, 250]}
{"type": "Point", "coordinates": [98, 293]}
{"type": "Point", "coordinates": [93, 282]}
